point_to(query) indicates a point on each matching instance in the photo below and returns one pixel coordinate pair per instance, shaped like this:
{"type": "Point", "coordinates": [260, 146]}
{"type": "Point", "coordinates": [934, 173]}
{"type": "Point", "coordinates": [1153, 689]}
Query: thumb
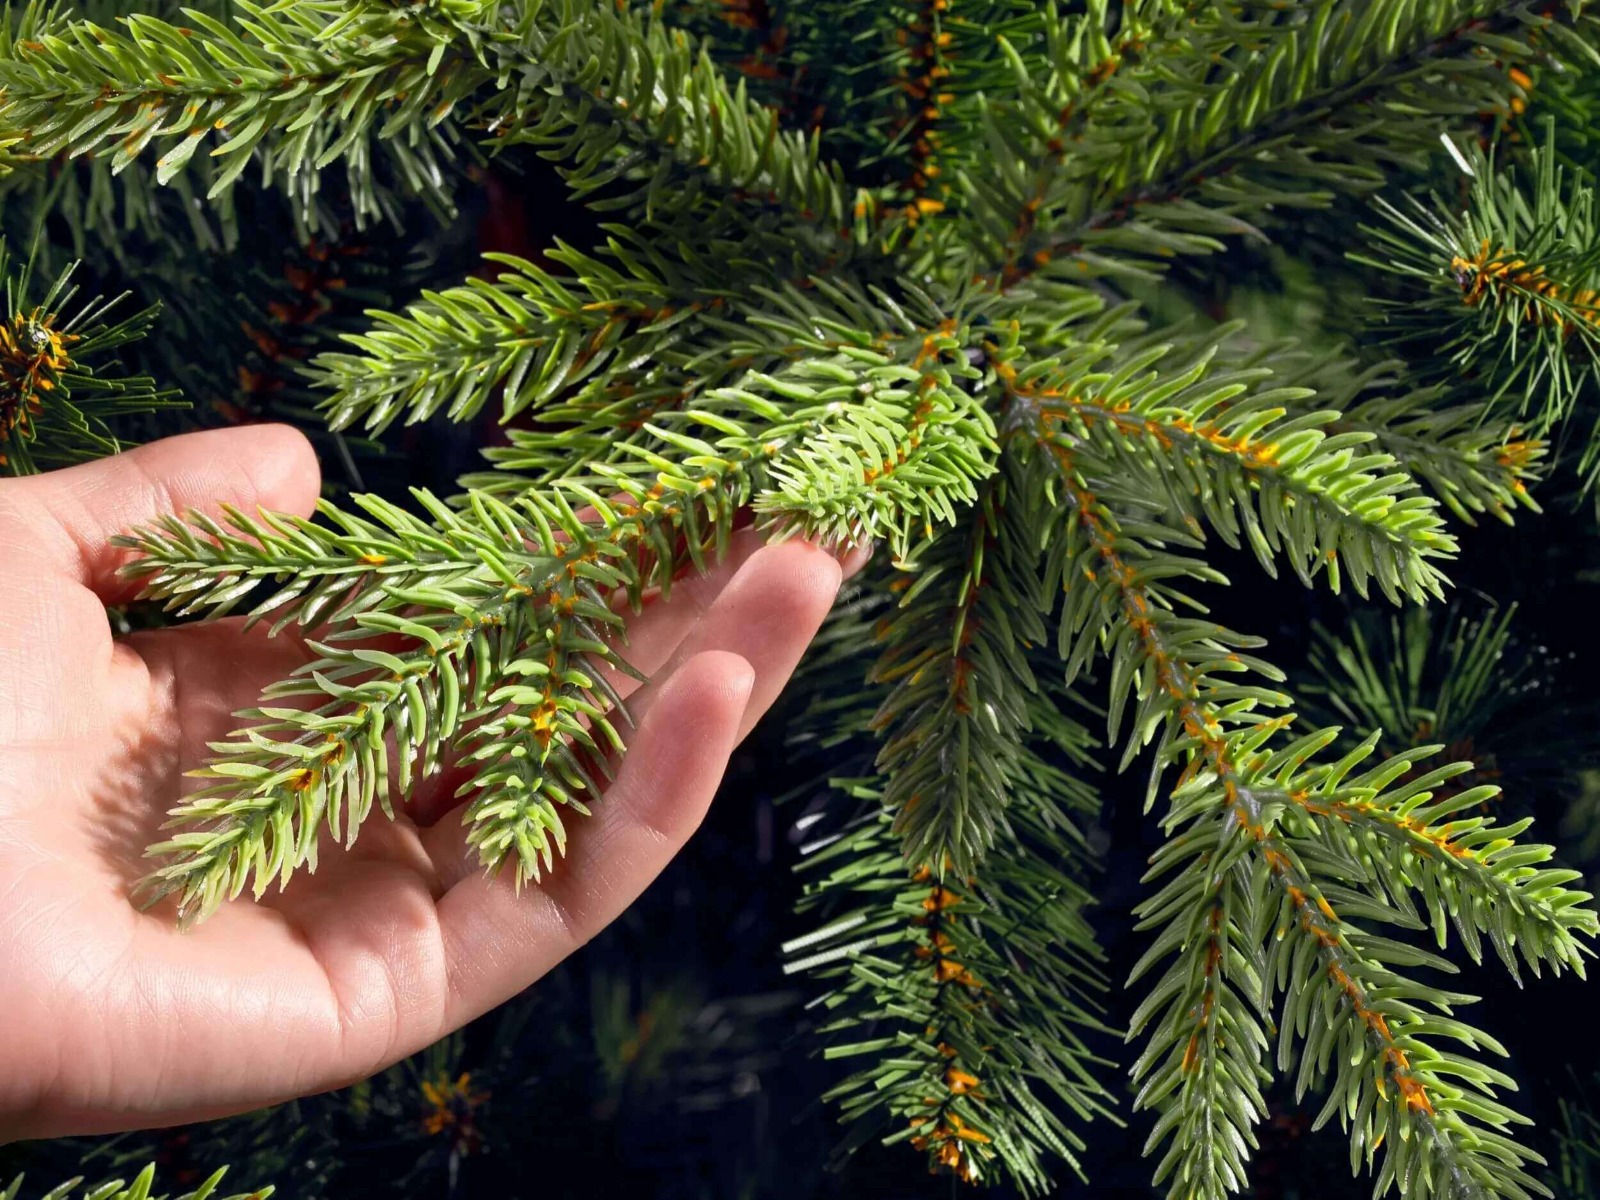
{"type": "Point", "coordinates": [69, 516]}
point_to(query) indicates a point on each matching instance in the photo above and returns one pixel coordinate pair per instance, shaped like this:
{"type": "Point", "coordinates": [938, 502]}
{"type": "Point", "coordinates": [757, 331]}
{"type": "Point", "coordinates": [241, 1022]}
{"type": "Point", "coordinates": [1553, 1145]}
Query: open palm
{"type": "Point", "coordinates": [110, 1017]}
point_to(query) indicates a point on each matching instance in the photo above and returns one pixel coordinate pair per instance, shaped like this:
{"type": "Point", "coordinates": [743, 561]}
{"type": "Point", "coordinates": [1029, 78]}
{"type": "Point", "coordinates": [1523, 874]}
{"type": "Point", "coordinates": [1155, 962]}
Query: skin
{"type": "Point", "coordinates": [110, 1018]}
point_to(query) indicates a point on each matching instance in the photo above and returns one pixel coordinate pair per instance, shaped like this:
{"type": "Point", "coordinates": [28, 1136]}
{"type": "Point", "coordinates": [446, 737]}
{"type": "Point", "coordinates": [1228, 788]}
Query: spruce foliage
{"type": "Point", "coordinates": [54, 405]}
{"type": "Point", "coordinates": [887, 277]}
{"type": "Point", "coordinates": [139, 1189]}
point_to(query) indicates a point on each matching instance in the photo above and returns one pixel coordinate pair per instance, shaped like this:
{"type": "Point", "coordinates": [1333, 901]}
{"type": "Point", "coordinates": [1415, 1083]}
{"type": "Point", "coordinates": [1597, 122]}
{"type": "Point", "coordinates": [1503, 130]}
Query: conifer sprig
{"type": "Point", "coordinates": [1217, 445]}
{"type": "Point", "coordinates": [947, 973]}
{"type": "Point", "coordinates": [1175, 155]}
{"type": "Point", "coordinates": [519, 592]}
{"type": "Point", "coordinates": [942, 969]}
{"type": "Point", "coordinates": [1426, 676]}
{"type": "Point", "coordinates": [273, 89]}
{"type": "Point", "coordinates": [569, 348]}
{"type": "Point", "coordinates": [504, 615]}
{"type": "Point", "coordinates": [1504, 291]}
{"type": "Point", "coordinates": [276, 90]}
{"type": "Point", "coordinates": [961, 686]}
{"type": "Point", "coordinates": [1290, 831]}
{"type": "Point", "coordinates": [140, 1188]}
{"type": "Point", "coordinates": [1471, 461]}
{"type": "Point", "coordinates": [55, 398]}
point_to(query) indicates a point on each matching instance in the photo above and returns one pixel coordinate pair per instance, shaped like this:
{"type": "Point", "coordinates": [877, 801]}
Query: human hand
{"type": "Point", "coordinates": [110, 1018]}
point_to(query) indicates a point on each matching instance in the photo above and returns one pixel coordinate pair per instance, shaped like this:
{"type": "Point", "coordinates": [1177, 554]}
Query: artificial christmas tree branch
{"type": "Point", "coordinates": [1472, 462]}
{"type": "Point", "coordinates": [925, 328]}
{"type": "Point", "coordinates": [1253, 790]}
{"type": "Point", "coordinates": [1274, 131]}
{"type": "Point", "coordinates": [55, 400]}
{"type": "Point", "coordinates": [1506, 288]}
{"type": "Point", "coordinates": [139, 1189]}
